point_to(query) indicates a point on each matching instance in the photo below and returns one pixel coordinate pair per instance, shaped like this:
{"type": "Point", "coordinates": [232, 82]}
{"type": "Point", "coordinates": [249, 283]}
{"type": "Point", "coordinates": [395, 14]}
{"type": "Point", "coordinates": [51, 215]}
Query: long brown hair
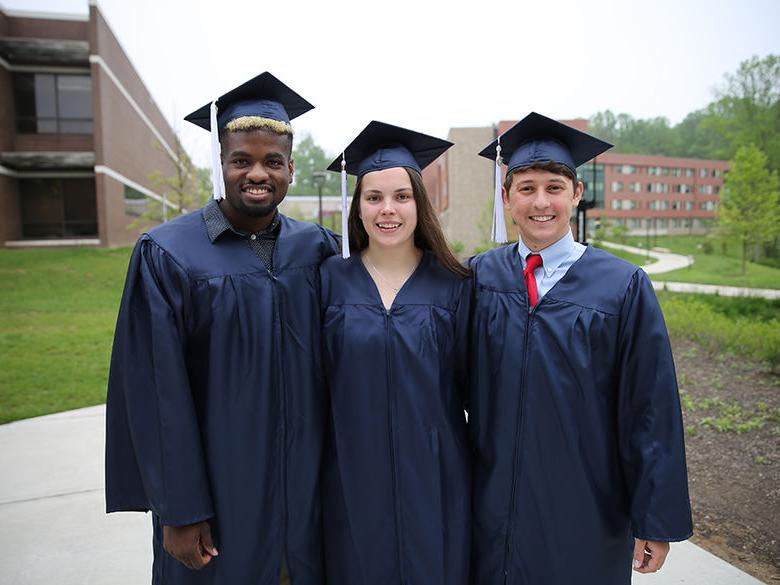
{"type": "Point", "coordinates": [427, 234]}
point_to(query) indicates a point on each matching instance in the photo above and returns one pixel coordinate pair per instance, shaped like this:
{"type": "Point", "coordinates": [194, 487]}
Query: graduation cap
{"type": "Point", "coordinates": [263, 96]}
{"type": "Point", "coordinates": [382, 146]}
{"type": "Point", "coordinates": [534, 139]}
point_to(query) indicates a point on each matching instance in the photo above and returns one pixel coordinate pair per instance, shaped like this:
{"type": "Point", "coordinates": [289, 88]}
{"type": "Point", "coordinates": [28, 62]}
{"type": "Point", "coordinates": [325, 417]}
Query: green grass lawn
{"type": "Point", "coordinates": [57, 316]}
{"type": "Point", "coordinates": [722, 266]}
{"type": "Point", "coordinates": [58, 310]}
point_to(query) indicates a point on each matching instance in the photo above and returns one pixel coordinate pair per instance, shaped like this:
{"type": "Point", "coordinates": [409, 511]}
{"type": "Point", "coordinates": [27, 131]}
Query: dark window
{"type": "Point", "coordinates": [48, 103]}
{"type": "Point", "coordinates": [58, 208]}
{"type": "Point", "coordinates": [593, 183]}
{"type": "Point", "coordinates": [136, 203]}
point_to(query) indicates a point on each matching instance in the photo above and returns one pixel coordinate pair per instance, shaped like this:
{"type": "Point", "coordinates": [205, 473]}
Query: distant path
{"type": "Point", "coordinates": [714, 289]}
{"type": "Point", "coordinates": [664, 261]}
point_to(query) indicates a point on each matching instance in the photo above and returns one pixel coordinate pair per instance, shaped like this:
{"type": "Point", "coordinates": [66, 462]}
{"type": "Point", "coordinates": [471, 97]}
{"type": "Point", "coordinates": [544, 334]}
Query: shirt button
{"type": "Point", "coordinates": [253, 237]}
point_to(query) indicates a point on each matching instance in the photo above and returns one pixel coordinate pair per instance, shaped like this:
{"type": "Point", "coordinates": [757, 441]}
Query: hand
{"type": "Point", "coordinates": [649, 555]}
{"type": "Point", "coordinates": [191, 545]}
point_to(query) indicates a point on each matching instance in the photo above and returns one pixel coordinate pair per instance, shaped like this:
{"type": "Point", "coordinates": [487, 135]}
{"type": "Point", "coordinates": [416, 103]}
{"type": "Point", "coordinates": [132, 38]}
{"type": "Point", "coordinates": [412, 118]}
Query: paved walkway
{"type": "Point", "coordinates": [53, 528]}
{"type": "Point", "coordinates": [666, 262]}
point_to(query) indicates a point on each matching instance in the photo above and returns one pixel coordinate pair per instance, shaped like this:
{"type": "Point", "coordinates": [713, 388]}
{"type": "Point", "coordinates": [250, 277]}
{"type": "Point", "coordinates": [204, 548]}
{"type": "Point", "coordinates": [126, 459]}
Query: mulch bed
{"type": "Point", "coordinates": [734, 476]}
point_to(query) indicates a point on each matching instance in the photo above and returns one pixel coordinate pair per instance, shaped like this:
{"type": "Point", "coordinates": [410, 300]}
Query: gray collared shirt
{"type": "Point", "coordinates": [262, 243]}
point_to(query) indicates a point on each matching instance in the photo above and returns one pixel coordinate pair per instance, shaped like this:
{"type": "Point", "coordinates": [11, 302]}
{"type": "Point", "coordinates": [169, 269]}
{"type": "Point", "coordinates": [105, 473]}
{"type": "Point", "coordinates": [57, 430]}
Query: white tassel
{"type": "Point", "coordinates": [499, 225]}
{"type": "Point", "coordinates": [217, 180]}
{"type": "Point", "coordinates": [344, 224]}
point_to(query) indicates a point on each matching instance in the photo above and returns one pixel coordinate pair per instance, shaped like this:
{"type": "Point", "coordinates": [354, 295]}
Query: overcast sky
{"type": "Point", "coordinates": [431, 65]}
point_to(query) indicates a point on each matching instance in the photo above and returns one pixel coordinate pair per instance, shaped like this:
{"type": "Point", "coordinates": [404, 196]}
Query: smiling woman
{"type": "Point", "coordinates": [396, 477]}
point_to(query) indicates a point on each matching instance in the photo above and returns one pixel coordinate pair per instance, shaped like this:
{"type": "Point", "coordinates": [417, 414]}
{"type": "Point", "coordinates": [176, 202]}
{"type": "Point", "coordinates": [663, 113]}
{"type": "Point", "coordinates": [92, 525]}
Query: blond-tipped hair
{"type": "Point", "coordinates": [246, 123]}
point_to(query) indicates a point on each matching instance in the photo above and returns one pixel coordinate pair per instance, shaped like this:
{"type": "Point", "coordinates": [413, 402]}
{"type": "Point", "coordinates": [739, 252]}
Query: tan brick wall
{"type": "Point", "coordinates": [470, 188]}
{"type": "Point", "coordinates": [123, 140]}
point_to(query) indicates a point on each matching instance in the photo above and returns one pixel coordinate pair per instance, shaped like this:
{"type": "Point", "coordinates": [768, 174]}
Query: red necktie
{"type": "Point", "coordinates": [532, 262]}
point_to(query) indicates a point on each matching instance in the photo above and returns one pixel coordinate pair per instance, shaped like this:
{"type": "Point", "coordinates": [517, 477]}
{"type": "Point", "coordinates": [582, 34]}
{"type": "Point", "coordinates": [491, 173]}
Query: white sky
{"type": "Point", "coordinates": [431, 65]}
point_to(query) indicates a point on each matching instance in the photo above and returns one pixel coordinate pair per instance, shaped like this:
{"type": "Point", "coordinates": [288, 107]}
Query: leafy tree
{"type": "Point", "coordinates": [309, 158]}
{"type": "Point", "coordinates": [188, 188]}
{"type": "Point", "coordinates": [747, 108]}
{"type": "Point", "coordinates": [697, 139]}
{"type": "Point", "coordinates": [750, 206]}
{"type": "Point", "coordinates": [637, 136]}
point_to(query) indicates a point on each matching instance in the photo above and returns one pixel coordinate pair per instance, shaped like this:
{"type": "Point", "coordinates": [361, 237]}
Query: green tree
{"type": "Point", "coordinates": [188, 188]}
{"type": "Point", "coordinates": [747, 109]}
{"type": "Point", "coordinates": [309, 158]}
{"type": "Point", "coordinates": [637, 136]}
{"type": "Point", "coordinates": [750, 206]}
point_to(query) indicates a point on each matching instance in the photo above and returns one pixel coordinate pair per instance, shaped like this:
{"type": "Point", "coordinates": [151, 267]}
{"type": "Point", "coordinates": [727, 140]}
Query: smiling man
{"type": "Point", "coordinates": [579, 465]}
{"type": "Point", "coordinates": [215, 403]}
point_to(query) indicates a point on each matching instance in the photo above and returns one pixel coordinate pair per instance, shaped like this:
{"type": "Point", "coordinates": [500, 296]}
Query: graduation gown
{"type": "Point", "coordinates": [396, 475]}
{"type": "Point", "coordinates": [215, 404]}
{"type": "Point", "coordinates": [576, 422]}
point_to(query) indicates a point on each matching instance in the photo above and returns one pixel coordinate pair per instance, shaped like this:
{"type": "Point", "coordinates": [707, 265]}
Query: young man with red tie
{"type": "Point", "coordinates": [579, 468]}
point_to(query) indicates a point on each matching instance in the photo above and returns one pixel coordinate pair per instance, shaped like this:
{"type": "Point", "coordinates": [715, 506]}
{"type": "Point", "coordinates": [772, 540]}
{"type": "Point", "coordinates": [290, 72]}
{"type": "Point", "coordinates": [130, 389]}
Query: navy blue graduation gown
{"type": "Point", "coordinates": [216, 405]}
{"type": "Point", "coordinates": [576, 422]}
{"type": "Point", "coordinates": [396, 475]}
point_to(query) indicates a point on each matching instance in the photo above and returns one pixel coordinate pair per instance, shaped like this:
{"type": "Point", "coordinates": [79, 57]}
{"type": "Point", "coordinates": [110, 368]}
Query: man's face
{"type": "Point", "coordinates": [257, 170]}
{"type": "Point", "coordinates": [541, 203]}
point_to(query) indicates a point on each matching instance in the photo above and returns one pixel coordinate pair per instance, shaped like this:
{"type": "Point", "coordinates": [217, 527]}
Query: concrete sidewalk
{"type": "Point", "coordinates": [664, 261]}
{"type": "Point", "coordinates": [53, 528]}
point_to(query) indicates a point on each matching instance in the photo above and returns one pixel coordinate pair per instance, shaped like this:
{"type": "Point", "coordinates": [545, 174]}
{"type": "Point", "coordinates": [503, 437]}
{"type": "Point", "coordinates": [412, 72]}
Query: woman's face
{"type": "Point", "coordinates": [387, 207]}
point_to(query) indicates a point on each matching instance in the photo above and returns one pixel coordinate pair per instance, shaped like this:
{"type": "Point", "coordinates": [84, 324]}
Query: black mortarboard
{"type": "Point", "coordinates": [263, 96]}
{"type": "Point", "coordinates": [537, 138]}
{"type": "Point", "coordinates": [384, 146]}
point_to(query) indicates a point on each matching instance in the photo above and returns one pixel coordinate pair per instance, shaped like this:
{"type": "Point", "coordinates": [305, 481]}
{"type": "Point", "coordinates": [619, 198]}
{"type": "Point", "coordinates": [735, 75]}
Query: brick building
{"type": "Point", "coordinates": [79, 133]}
{"type": "Point", "coordinates": [647, 194]}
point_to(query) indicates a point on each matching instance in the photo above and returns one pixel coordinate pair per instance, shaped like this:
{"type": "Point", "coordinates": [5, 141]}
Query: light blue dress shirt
{"type": "Point", "coordinates": [556, 261]}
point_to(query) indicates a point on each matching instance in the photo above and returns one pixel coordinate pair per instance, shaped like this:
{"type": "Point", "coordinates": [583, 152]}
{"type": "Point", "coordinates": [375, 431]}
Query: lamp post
{"type": "Point", "coordinates": [319, 180]}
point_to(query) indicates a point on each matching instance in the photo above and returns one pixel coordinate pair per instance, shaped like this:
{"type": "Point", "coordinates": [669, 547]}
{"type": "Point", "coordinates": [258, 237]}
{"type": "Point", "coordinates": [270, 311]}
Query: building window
{"type": "Point", "coordinates": [677, 172]}
{"type": "Point", "coordinates": [592, 177]}
{"type": "Point", "coordinates": [705, 189]}
{"type": "Point", "coordinates": [657, 188]}
{"type": "Point", "coordinates": [625, 169]}
{"type": "Point", "coordinates": [58, 208]}
{"type": "Point", "coordinates": [48, 103]}
{"type": "Point", "coordinates": [689, 172]}
{"type": "Point", "coordinates": [635, 187]}
{"type": "Point", "coordinates": [688, 205]}
{"type": "Point", "coordinates": [617, 186]}
{"type": "Point", "coordinates": [716, 173]}
{"type": "Point", "coordinates": [136, 203]}
{"type": "Point", "coordinates": [703, 172]}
